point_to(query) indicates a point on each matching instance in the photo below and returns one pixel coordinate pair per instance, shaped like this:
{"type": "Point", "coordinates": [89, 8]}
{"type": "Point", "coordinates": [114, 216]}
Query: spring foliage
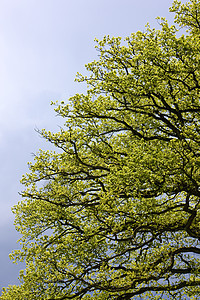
{"type": "Point", "coordinates": [114, 213]}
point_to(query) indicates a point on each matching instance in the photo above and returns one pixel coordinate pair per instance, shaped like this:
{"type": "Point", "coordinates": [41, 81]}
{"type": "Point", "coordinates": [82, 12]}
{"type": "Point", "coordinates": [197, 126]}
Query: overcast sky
{"type": "Point", "coordinates": [43, 44]}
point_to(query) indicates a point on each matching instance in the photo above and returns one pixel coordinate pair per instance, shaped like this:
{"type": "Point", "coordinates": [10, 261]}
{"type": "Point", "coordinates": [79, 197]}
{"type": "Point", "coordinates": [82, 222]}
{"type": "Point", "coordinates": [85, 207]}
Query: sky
{"type": "Point", "coordinates": [43, 44]}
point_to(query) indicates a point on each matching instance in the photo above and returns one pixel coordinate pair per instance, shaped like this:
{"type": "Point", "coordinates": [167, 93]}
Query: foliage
{"type": "Point", "coordinates": [114, 213]}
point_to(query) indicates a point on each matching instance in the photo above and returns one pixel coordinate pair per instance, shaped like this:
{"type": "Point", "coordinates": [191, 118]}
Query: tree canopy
{"type": "Point", "coordinates": [114, 212]}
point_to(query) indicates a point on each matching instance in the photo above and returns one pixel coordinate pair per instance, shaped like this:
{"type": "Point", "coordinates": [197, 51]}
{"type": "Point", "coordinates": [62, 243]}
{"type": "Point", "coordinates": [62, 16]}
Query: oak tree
{"type": "Point", "coordinates": [114, 213]}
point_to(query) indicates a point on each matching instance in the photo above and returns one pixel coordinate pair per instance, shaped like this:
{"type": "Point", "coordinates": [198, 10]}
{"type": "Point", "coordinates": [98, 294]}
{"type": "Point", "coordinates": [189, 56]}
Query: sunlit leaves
{"type": "Point", "coordinates": [113, 212]}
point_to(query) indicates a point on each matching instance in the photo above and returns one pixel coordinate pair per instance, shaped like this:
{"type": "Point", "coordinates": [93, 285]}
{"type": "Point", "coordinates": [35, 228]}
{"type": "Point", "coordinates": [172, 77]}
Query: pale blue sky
{"type": "Point", "coordinates": [43, 44]}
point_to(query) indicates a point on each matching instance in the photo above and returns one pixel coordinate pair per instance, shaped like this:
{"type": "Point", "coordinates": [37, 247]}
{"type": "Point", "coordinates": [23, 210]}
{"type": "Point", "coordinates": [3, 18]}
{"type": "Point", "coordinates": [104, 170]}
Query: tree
{"type": "Point", "coordinates": [114, 213]}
